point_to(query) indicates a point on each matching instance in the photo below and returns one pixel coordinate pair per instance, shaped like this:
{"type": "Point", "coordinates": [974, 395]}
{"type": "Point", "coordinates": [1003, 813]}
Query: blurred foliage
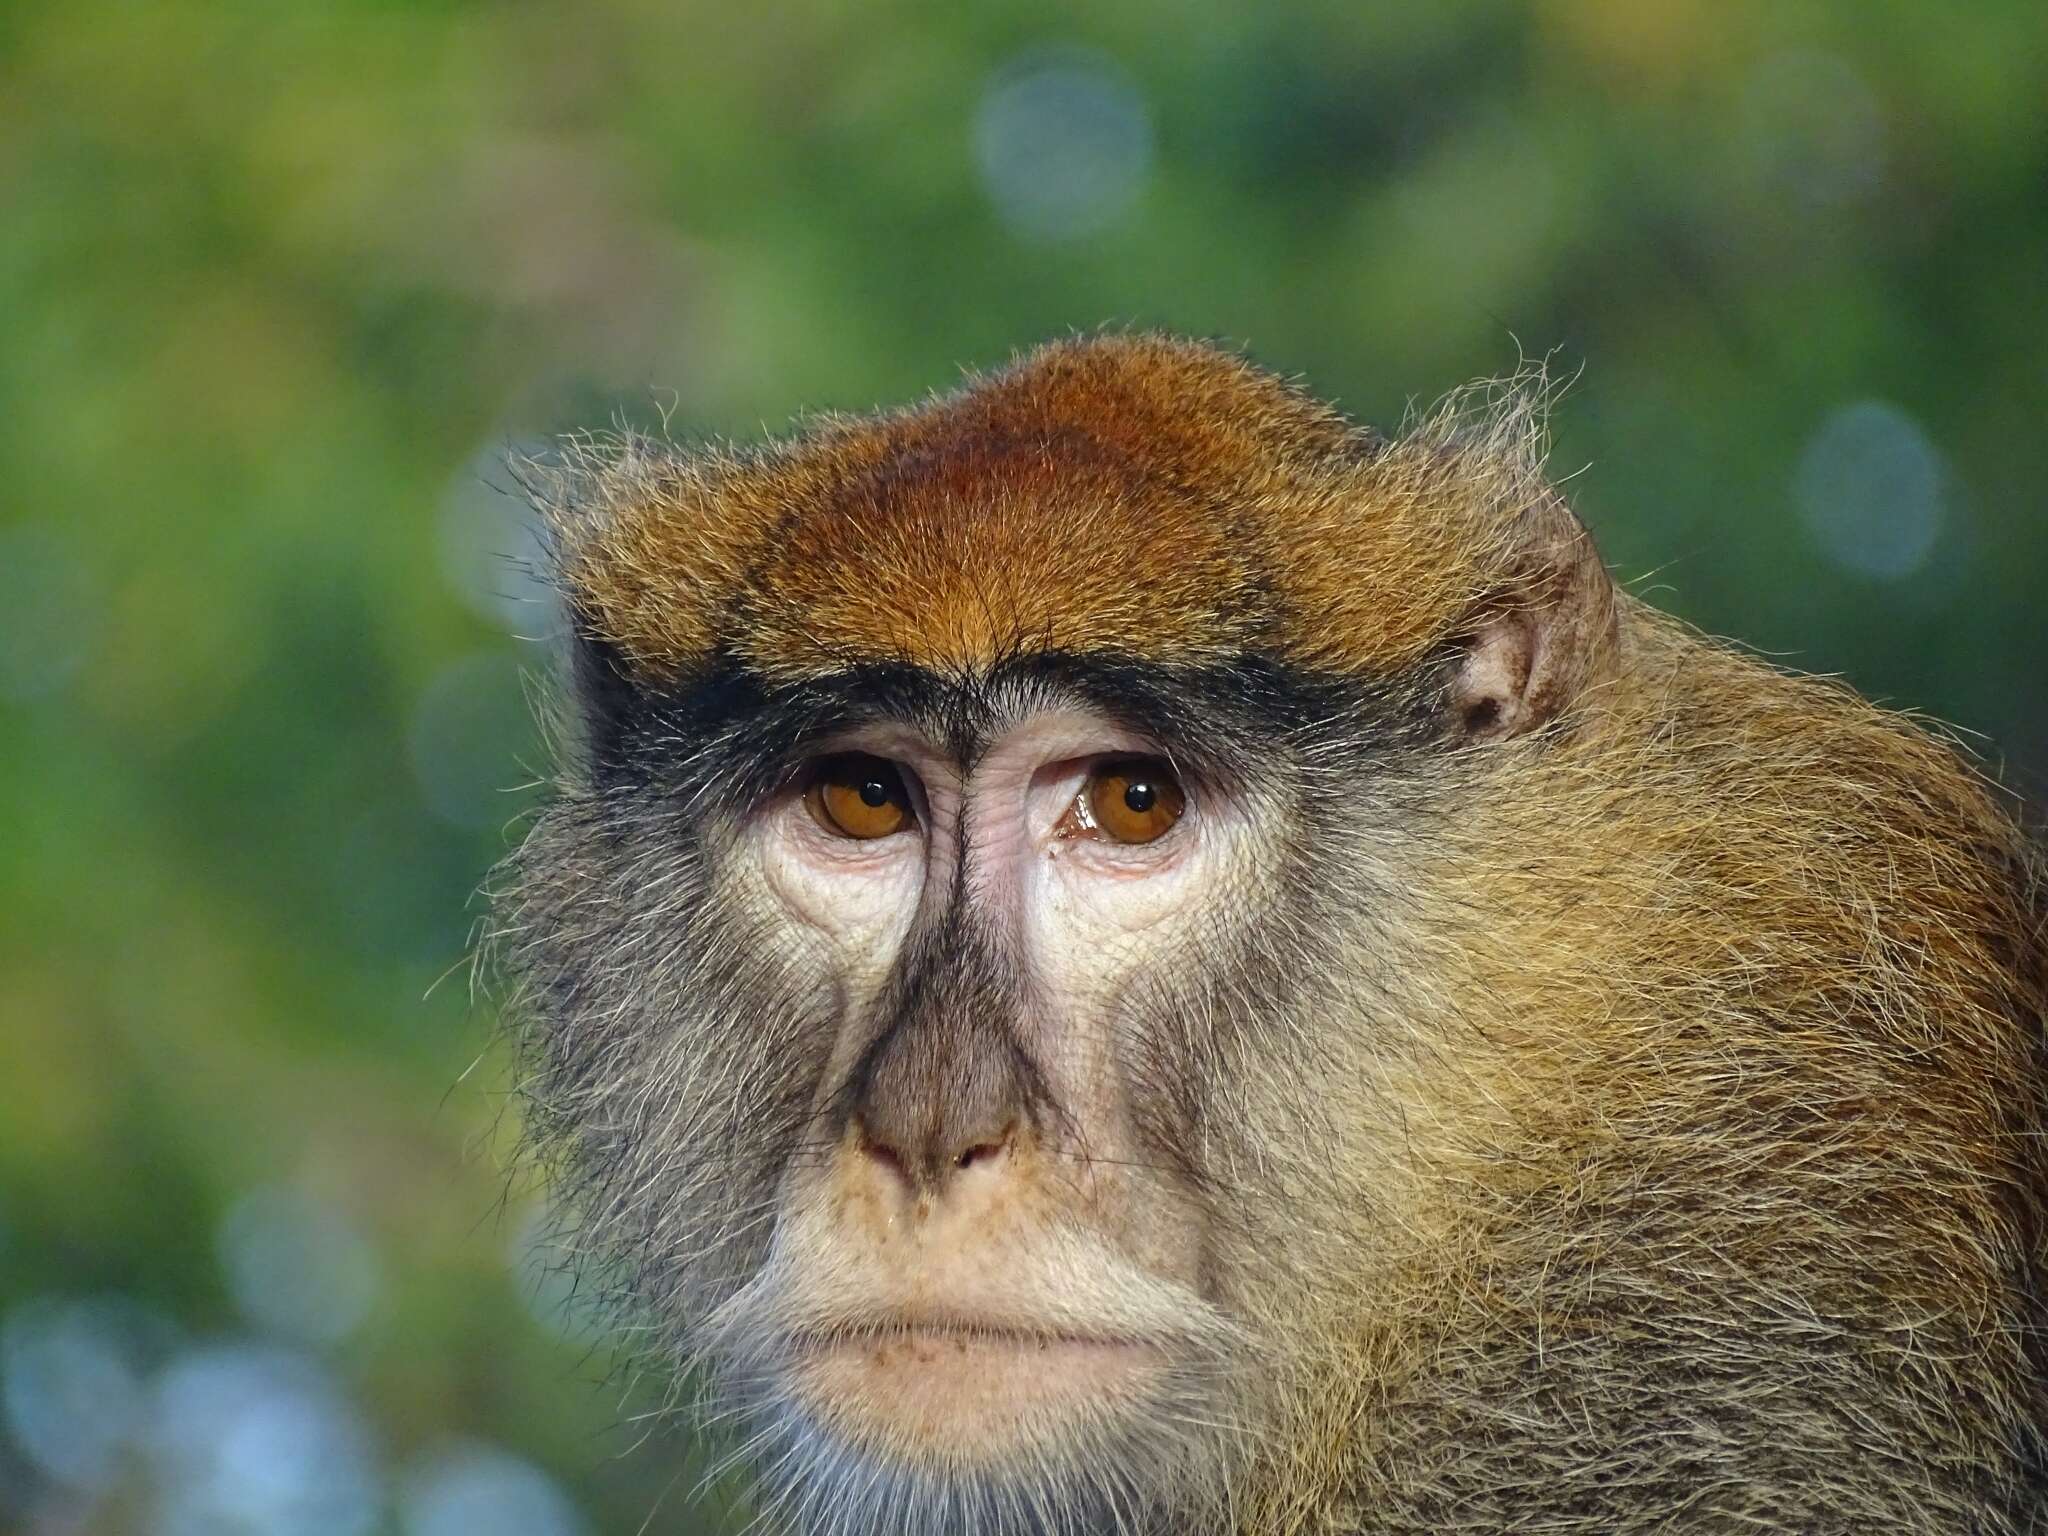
{"type": "Point", "coordinates": [283, 281]}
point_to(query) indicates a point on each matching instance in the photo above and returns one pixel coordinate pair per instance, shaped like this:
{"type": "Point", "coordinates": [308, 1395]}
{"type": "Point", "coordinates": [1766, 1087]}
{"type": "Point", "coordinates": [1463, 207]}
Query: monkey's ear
{"type": "Point", "coordinates": [1540, 641]}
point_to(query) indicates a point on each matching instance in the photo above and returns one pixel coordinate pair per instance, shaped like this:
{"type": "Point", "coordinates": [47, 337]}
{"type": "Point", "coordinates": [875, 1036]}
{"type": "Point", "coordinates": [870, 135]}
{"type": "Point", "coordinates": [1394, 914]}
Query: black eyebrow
{"type": "Point", "coordinates": [722, 726]}
{"type": "Point", "coordinates": [725, 730]}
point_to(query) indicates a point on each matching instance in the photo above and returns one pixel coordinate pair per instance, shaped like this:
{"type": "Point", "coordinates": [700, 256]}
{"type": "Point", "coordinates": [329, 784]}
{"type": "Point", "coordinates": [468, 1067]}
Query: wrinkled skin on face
{"type": "Point", "coordinates": [928, 1143]}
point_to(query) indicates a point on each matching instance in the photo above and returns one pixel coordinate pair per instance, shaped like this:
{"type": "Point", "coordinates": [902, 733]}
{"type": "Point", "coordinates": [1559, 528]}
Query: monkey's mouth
{"type": "Point", "coordinates": [965, 1390]}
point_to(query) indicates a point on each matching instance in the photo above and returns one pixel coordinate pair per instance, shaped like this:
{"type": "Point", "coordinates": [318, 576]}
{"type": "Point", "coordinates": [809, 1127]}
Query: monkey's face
{"type": "Point", "coordinates": [937, 1053]}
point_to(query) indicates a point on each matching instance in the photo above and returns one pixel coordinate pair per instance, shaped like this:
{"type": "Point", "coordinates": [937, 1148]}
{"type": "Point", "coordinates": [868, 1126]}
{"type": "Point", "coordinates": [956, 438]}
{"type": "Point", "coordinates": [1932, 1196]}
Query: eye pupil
{"type": "Point", "coordinates": [1141, 797]}
{"type": "Point", "coordinates": [874, 794]}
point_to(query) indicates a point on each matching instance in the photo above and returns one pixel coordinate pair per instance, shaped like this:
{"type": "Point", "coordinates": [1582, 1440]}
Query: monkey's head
{"type": "Point", "coordinates": [1048, 978]}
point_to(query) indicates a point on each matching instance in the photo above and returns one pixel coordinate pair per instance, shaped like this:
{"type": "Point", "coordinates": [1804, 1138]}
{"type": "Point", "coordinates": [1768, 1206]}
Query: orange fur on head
{"type": "Point", "coordinates": [1116, 494]}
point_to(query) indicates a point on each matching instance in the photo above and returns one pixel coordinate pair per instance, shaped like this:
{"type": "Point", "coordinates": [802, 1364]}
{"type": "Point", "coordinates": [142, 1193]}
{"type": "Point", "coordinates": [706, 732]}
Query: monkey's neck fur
{"type": "Point", "coordinates": [1728, 1150]}
{"type": "Point", "coordinates": [1600, 1090]}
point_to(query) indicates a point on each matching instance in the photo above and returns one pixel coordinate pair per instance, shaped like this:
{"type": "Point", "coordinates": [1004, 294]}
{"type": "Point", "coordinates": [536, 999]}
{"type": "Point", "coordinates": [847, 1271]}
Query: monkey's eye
{"type": "Point", "coordinates": [1135, 800]}
{"type": "Point", "coordinates": [856, 795]}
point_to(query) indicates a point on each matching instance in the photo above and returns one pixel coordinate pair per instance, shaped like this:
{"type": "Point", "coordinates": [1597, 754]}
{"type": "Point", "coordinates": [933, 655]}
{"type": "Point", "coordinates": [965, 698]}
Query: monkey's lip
{"type": "Point", "coordinates": [973, 1388]}
{"type": "Point", "coordinates": [939, 1344]}
{"type": "Point", "coordinates": [970, 1330]}
{"type": "Point", "coordinates": [967, 1338]}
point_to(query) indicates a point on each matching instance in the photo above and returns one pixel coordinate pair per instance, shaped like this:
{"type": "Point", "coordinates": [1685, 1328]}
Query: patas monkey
{"type": "Point", "coordinates": [1118, 953]}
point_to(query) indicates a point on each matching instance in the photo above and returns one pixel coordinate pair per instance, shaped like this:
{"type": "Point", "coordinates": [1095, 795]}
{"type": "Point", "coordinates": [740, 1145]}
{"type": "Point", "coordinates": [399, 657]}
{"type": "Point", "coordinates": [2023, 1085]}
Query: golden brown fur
{"type": "Point", "coordinates": [1752, 1100]}
{"type": "Point", "coordinates": [1691, 1172]}
{"type": "Point", "coordinates": [1136, 494]}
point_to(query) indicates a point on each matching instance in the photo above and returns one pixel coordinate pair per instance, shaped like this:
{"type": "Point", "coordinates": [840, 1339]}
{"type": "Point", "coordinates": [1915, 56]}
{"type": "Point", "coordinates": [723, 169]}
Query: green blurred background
{"type": "Point", "coordinates": [281, 285]}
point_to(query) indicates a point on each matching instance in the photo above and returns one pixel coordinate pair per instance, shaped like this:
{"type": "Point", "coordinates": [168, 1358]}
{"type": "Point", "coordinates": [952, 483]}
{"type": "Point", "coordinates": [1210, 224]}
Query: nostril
{"type": "Point", "coordinates": [985, 1151]}
{"type": "Point", "coordinates": [924, 1164]}
{"type": "Point", "coordinates": [887, 1156]}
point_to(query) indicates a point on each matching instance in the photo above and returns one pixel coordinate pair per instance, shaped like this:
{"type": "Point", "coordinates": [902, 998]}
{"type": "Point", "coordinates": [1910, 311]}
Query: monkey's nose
{"type": "Point", "coordinates": [926, 1163]}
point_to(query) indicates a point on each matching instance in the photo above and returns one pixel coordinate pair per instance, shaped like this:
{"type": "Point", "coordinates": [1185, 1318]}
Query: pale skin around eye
{"type": "Point", "coordinates": [1078, 832]}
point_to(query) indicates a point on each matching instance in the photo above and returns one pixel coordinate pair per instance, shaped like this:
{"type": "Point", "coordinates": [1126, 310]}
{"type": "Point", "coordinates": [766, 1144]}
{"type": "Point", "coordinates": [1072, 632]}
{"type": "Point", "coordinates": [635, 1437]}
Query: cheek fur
{"type": "Point", "coordinates": [671, 1074]}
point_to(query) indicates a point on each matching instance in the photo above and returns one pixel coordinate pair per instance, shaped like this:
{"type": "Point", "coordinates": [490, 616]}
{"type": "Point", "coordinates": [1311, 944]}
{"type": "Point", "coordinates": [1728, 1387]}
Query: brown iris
{"type": "Point", "coordinates": [856, 795]}
{"type": "Point", "coordinates": [1135, 800]}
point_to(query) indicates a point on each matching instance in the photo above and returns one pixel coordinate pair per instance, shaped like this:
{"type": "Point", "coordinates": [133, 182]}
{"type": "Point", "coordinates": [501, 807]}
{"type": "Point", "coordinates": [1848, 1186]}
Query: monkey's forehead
{"type": "Point", "coordinates": [1127, 494]}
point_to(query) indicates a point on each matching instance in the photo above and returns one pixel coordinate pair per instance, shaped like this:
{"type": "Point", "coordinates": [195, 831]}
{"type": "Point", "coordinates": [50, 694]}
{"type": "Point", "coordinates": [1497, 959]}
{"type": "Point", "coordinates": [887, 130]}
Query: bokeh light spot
{"type": "Point", "coordinates": [250, 1441]}
{"type": "Point", "coordinates": [471, 732]}
{"type": "Point", "coordinates": [492, 553]}
{"type": "Point", "coordinates": [1064, 143]}
{"type": "Point", "coordinates": [296, 1267]}
{"type": "Point", "coordinates": [1872, 491]}
{"type": "Point", "coordinates": [554, 1287]}
{"type": "Point", "coordinates": [71, 1372]}
{"type": "Point", "coordinates": [476, 1488]}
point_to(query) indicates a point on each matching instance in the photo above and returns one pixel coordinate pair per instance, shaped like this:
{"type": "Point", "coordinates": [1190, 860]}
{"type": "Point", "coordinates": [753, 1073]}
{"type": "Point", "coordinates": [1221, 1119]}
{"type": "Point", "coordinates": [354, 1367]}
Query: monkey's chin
{"type": "Point", "coordinates": [967, 1397]}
